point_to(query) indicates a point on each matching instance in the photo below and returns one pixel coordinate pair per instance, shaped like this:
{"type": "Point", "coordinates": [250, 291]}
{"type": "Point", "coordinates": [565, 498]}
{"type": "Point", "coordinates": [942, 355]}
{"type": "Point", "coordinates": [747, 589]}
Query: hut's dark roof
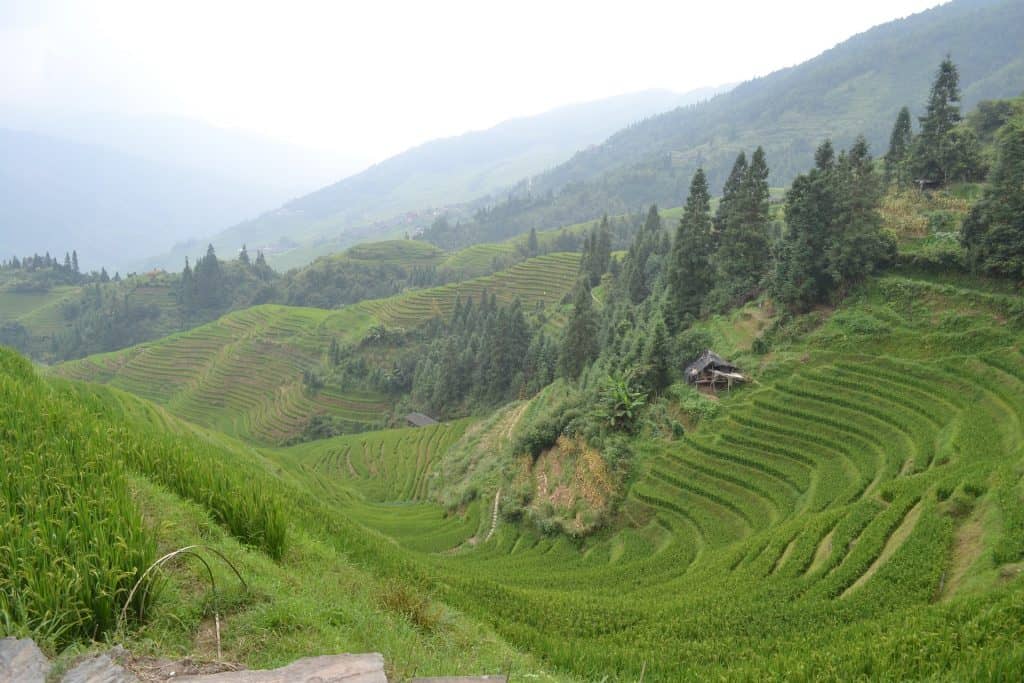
{"type": "Point", "coordinates": [707, 360]}
{"type": "Point", "coordinates": [420, 420]}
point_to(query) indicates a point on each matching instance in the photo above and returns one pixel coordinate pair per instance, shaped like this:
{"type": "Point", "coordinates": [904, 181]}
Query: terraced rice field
{"type": "Point", "coordinates": [408, 253]}
{"type": "Point", "coordinates": [477, 259]}
{"type": "Point", "coordinates": [242, 374]}
{"type": "Point", "coordinates": [819, 513]}
{"type": "Point", "coordinates": [381, 480]}
{"type": "Point", "coordinates": [40, 313]}
{"type": "Point", "coordinates": [545, 279]}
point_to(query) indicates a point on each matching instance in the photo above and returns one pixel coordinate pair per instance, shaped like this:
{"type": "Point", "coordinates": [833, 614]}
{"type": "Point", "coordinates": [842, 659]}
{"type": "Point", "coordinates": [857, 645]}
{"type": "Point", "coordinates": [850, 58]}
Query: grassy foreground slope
{"type": "Point", "coordinates": [857, 513]}
{"type": "Point", "coordinates": [97, 484]}
{"type": "Point", "coordinates": [243, 374]}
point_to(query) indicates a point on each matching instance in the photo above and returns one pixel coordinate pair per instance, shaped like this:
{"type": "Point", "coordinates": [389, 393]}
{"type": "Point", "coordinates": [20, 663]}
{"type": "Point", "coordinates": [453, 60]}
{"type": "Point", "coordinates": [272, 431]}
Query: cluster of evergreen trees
{"type": "Point", "coordinates": [485, 354]}
{"type": "Point", "coordinates": [44, 262]}
{"type": "Point", "coordinates": [993, 232]}
{"type": "Point", "coordinates": [212, 287]}
{"type": "Point", "coordinates": [834, 240]}
{"type": "Point", "coordinates": [39, 273]}
{"type": "Point", "coordinates": [834, 235]}
{"type": "Point", "coordinates": [944, 150]}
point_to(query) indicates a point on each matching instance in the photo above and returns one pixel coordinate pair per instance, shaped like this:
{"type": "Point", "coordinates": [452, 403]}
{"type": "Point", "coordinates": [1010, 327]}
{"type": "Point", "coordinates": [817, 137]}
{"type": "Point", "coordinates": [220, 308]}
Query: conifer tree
{"type": "Point", "coordinates": [602, 251]}
{"type": "Point", "coordinates": [243, 257]}
{"type": "Point", "coordinates": [834, 237]}
{"type": "Point", "coordinates": [941, 153]}
{"type": "Point", "coordinates": [993, 232]}
{"type": "Point", "coordinates": [731, 192]}
{"type": "Point", "coordinates": [900, 141]}
{"type": "Point", "coordinates": [74, 261]}
{"type": "Point", "coordinates": [689, 277]}
{"type": "Point", "coordinates": [186, 288]}
{"type": "Point", "coordinates": [532, 249]}
{"type": "Point", "coordinates": [744, 251]}
{"type": "Point", "coordinates": [657, 357]}
{"type": "Point", "coordinates": [579, 345]}
{"type": "Point", "coordinates": [263, 271]}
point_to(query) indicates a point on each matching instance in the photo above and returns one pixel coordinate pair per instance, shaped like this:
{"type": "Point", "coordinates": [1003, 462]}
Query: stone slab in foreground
{"type": "Point", "coordinates": [99, 669]}
{"type": "Point", "coordinates": [22, 661]}
{"type": "Point", "coordinates": [368, 668]}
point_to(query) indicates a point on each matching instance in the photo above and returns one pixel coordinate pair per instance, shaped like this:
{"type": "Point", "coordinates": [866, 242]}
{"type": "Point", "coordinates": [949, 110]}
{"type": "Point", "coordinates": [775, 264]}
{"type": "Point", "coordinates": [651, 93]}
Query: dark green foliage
{"type": "Point", "coordinates": [688, 276]}
{"type": "Point", "coordinates": [834, 237]}
{"type": "Point", "coordinates": [541, 431]}
{"type": "Point", "coordinates": [39, 273]}
{"type": "Point", "coordinates": [208, 290]}
{"type": "Point", "coordinates": [597, 252]}
{"type": "Point", "coordinates": [656, 362]}
{"type": "Point", "coordinates": [944, 151]}
{"type": "Point", "coordinates": [743, 222]}
{"type": "Point", "coordinates": [620, 401]}
{"type": "Point", "coordinates": [644, 261]}
{"type": "Point", "coordinates": [483, 356]}
{"type": "Point", "coordinates": [580, 342]}
{"type": "Point", "coordinates": [900, 142]}
{"type": "Point", "coordinates": [993, 232]}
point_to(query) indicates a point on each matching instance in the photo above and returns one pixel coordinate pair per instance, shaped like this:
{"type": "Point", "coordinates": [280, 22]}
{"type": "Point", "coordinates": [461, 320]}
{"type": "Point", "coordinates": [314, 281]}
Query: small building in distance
{"type": "Point", "coordinates": [713, 371]}
{"type": "Point", "coordinates": [419, 420]}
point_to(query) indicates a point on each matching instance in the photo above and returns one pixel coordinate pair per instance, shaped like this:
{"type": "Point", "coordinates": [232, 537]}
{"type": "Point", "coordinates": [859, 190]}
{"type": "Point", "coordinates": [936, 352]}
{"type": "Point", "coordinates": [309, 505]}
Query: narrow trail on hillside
{"type": "Point", "coordinates": [494, 516]}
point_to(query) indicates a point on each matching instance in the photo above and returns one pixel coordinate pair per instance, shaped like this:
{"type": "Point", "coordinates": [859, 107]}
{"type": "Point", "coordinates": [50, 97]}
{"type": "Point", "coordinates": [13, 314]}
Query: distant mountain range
{"type": "Point", "coordinates": [854, 88]}
{"type": "Point", "coordinates": [118, 189]}
{"type": "Point", "coordinates": [436, 174]}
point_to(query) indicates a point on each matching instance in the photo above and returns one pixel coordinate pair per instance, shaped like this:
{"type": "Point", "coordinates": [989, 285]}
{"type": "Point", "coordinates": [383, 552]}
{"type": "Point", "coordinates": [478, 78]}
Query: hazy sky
{"type": "Point", "coordinates": [373, 77]}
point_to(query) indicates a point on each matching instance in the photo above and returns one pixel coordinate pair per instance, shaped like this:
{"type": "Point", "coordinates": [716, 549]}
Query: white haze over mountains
{"type": "Point", "coordinates": [370, 79]}
{"type": "Point", "coordinates": [217, 112]}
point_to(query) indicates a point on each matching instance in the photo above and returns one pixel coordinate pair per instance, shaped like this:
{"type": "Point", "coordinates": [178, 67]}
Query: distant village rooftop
{"type": "Point", "coordinates": [420, 420]}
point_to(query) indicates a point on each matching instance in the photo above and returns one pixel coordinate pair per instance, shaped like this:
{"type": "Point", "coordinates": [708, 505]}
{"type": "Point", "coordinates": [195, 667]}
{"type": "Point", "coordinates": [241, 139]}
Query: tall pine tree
{"type": "Point", "coordinates": [579, 345]}
{"type": "Point", "coordinates": [834, 235]}
{"type": "Point", "coordinates": [900, 141]}
{"type": "Point", "coordinates": [744, 250]}
{"type": "Point", "coordinates": [993, 232]}
{"type": "Point", "coordinates": [689, 277]}
{"type": "Point", "coordinates": [936, 149]}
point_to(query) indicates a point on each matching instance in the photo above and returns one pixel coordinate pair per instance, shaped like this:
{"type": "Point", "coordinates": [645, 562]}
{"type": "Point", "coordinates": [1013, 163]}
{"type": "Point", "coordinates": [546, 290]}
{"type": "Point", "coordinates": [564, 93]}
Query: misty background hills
{"type": "Point", "coordinates": [854, 88]}
{"type": "Point", "coordinates": [405, 192]}
{"type": "Point", "coordinates": [138, 188]}
{"type": "Point", "coordinates": [119, 189]}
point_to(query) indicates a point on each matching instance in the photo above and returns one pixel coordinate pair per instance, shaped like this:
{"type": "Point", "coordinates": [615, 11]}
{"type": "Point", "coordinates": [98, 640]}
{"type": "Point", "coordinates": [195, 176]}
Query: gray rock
{"type": "Point", "coordinates": [22, 662]}
{"type": "Point", "coordinates": [368, 668]}
{"type": "Point", "coordinates": [98, 669]}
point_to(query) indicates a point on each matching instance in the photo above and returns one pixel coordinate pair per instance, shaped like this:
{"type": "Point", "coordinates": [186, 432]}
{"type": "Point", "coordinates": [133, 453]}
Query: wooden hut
{"type": "Point", "coordinates": [711, 370]}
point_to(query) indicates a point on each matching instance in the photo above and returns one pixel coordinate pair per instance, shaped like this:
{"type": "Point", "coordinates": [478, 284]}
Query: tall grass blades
{"type": "Point", "coordinates": [72, 542]}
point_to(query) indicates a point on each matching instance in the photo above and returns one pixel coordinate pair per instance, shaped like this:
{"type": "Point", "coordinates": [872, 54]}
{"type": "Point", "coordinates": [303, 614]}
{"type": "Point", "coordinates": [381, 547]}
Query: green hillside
{"type": "Point", "coordinates": [51, 321]}
{"type": "Point", "coordinates": [243, 374]}
{"type": "Point", "coordinates": [861, 502]}
{"type": "Point", "coordinates": [114, 482]}
{"type": "Point", "coordinates": [856, 87]}
{"type": "Point", "coordinates": [862, 499]}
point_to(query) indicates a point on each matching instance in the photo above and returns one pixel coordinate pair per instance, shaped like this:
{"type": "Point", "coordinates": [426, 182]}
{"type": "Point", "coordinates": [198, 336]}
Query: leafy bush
{"type": "Point", "coordinates": [692, 403]}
